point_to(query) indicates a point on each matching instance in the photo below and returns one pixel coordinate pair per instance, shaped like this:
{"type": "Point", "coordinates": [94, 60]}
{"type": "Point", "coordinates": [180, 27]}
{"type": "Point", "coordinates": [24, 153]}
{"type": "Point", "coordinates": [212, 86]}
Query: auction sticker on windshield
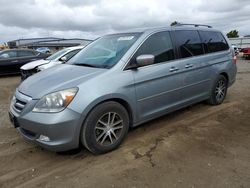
{"type": "Point", "coordinates": [125, 38]}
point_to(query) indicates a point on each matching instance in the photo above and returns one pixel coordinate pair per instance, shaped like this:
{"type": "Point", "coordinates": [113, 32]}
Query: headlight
{"type": "Point", "coordinates": [55, 102]}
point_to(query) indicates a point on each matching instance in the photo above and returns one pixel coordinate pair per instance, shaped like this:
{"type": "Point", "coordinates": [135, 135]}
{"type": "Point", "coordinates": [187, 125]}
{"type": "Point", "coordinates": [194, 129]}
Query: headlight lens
{"type": "Point", "coordinates": [55, 102]}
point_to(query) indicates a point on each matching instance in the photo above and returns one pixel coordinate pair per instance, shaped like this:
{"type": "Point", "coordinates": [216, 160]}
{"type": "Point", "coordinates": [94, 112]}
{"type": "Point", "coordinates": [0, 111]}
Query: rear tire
{"type": "Point", "coordinates": [105, 127]}
{"type": "Point", "coordinates": [219, 91]}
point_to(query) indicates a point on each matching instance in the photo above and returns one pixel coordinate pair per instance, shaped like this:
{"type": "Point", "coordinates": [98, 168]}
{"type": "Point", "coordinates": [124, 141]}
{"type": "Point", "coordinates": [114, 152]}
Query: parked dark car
{"type": "Point", "coordinates": [12, 60]}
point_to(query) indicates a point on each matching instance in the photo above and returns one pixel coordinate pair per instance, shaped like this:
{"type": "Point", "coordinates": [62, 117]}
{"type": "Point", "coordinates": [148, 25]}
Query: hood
{"type": "Point", "coordinates": [50, 64]}
{"type": "Point", "coordinates": [34, 64]}
{"type": "Point", "coordinates": [57, 78]}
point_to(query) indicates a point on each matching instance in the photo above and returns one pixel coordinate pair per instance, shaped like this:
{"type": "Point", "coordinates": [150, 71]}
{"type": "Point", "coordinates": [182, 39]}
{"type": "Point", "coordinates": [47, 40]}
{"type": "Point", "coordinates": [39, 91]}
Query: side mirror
{"type": "Point", "coordinates": [144, 60]}
{"type": "Point", "coordinates": [63, 59]}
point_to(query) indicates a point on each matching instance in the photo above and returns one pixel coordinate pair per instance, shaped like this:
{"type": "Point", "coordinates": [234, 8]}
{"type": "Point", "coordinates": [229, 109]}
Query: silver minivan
{"type": "Point", "coordinates": [121, 81]}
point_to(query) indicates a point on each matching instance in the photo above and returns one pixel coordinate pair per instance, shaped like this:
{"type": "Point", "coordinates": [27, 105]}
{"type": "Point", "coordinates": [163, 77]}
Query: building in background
{"type": "Point", "coordinates": [54, 44]}
{"type": "Point", "coordinates": [3, 46]}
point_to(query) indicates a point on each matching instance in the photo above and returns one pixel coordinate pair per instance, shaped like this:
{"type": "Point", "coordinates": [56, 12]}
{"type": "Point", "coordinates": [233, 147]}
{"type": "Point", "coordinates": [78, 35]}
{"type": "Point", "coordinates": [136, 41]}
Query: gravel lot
{"type": "Point", "coordinates": [199, 146]}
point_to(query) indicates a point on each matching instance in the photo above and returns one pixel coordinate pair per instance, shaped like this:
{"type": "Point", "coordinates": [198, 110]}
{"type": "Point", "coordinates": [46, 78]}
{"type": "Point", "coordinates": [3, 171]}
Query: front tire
{"type": "Point", "coordinates": [219, 91]}
{"type": "Point", "coordinates": [105, 127]}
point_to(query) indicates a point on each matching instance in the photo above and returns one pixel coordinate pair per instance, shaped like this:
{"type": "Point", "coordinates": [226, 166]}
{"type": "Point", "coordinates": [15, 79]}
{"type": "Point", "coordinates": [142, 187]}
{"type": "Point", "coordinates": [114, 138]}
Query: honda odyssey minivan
{"type": "Point", "coordinates": [120, 81]}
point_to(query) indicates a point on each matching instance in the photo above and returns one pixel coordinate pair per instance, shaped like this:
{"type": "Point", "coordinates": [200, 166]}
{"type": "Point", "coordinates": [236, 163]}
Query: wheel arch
{"type": "Point", "coordinates": [125, 104]}
{"type": "Point", "coordinates": [117, 99]}
{"type": "Point", "coordinates": [225, 75]}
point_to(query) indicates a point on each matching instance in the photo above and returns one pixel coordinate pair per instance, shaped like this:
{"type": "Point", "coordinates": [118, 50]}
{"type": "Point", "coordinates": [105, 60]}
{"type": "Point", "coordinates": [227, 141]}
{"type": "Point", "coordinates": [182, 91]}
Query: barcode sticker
{"type": "Point", "coordinates": [125, 38]}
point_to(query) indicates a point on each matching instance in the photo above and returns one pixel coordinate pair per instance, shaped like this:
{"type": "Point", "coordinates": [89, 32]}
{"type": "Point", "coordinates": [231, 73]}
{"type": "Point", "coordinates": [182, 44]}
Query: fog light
{"type": "Point", "coordinates": [43, 138]}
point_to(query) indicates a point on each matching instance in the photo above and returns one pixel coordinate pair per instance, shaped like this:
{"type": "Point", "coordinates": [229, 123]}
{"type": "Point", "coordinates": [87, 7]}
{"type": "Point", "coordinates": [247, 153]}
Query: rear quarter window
{"type": "Point", "coordinates": [213, 41]}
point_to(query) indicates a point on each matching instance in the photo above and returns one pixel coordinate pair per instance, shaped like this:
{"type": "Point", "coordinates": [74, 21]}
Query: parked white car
{"type": "Point", "coordinates": [59, 57]}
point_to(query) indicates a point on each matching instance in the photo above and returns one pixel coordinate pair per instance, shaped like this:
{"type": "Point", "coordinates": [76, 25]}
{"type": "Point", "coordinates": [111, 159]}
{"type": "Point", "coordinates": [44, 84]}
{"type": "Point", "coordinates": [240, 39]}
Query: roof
{"type": "Point", "coordinates": [169, 28]}
{"type": "Point", "coordinates": [75, 47]}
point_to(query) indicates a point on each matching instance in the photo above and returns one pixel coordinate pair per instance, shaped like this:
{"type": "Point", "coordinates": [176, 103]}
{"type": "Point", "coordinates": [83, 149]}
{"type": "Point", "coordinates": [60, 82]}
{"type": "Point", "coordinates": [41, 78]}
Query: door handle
{"type": "Point", "coordinates": [15, 61]}
{"type": "Point", "coordinates": [173, 69]}
{"type": "Point", "coordinates": [188, 66]}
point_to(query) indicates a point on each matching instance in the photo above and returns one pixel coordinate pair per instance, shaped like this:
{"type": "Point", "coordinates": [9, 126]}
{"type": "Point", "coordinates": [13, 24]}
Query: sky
{"type": "Point", "coordinates": [92, 18]}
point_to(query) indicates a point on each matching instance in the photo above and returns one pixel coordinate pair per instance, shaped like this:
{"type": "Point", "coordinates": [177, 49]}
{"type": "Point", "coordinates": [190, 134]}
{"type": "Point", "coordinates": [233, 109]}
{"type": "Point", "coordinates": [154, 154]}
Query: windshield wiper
{"type": "Point", "coordinates": [85, 64]}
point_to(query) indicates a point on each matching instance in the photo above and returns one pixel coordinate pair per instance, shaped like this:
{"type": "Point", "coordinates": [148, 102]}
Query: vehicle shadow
{"type": "Point", "coordinates": [143, 129]}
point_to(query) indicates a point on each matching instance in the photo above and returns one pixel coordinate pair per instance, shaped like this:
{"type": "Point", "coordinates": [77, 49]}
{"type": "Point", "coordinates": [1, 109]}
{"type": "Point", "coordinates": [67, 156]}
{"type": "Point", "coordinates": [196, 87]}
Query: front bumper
{"type": "Point", "coordinates": [62, 129]}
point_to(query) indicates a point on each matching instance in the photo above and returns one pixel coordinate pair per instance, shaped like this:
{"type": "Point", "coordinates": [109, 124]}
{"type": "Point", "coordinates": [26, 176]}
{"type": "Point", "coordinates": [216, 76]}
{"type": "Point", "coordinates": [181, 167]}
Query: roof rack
{"type": "Point", "coordinates": [195, 25]}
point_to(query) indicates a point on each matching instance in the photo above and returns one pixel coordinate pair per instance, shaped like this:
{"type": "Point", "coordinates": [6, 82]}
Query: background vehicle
{"type": "Point", "coordinates": [236, 49]}
{"type": "Point", "coordinates": [121, 81]}
{"type": "Point", "coordinates": [12, 60]}
{"type": "Point", "coordinates": [246, 53]}
{"type": "Point", "coordinates": [44, 50]}
{"type": "Point", "coordinates": [57, 58]}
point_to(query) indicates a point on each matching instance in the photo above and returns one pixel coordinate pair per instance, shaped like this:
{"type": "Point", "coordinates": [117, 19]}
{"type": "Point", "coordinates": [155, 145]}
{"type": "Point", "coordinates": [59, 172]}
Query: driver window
{"type": "Point", "coordinates": [159, 45]}
{"type": "Point", "coordinates": [25, 53]}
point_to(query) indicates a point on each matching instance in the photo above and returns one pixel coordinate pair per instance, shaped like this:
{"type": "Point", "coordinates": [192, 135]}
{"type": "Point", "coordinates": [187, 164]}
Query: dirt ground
{"type": "Point", "coordinates": [199, 146]}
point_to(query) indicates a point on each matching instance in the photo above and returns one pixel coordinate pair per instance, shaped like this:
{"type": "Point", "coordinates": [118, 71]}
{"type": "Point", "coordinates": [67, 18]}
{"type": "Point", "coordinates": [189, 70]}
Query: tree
{"type": "Point", "coordinates": [173, 23]}
{"type": "Point", "coordinates": [233, 34]}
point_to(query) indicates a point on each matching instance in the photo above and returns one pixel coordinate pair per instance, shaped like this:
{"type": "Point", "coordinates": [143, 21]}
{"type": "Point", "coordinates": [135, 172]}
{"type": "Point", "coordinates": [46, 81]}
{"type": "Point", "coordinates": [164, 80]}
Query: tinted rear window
{"type": "Point", "coordinates": [188, 43]}
{"type": "Point", "coordinates": [213, 41]}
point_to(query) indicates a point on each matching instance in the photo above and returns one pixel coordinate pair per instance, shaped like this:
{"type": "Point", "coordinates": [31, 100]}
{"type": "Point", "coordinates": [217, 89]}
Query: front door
{"type": "Point", "coordinates": [158, 86]}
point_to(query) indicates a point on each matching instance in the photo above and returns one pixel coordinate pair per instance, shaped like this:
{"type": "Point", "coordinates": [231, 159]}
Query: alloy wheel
{"type": "Point", "coordinates": [108, 129]}
{"type": "Point", "coordinates": [220, 90]}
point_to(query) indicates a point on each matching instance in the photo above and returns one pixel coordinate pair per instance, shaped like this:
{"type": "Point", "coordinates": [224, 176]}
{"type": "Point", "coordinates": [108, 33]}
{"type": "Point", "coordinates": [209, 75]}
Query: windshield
{"type": "Point", "coordinates": [57, 55]}
{"type": "Point", "coordinates": [105, 52]}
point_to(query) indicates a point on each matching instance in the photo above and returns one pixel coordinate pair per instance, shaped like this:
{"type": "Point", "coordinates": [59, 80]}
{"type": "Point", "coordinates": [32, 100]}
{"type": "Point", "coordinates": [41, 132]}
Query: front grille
{"type": "Point", "coordinates": [19, 105]}
{"type": "Point", "coordinates": [19, 101]}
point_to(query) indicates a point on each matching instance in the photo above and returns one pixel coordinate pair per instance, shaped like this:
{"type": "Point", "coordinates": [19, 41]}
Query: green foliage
{"type": "Point", "coordinates": [173, 23]}
{"type": "Point", "coordinates": [233, 34]}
